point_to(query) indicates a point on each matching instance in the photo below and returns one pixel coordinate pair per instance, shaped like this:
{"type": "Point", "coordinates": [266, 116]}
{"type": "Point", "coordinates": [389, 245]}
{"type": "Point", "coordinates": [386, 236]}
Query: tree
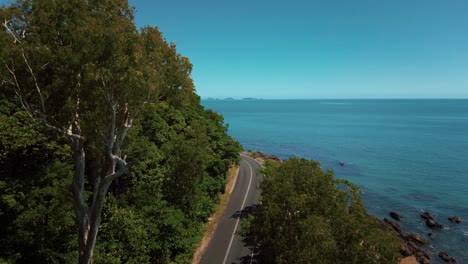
{"type": "Point", "coordinates": [81, 69]}
{"type": "Point", "coordinates": [307, 216]}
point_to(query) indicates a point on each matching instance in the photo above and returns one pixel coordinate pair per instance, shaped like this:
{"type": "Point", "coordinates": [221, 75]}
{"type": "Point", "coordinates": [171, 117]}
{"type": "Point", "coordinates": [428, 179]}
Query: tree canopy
{"type": "Point", "coordinates": [307, 216]}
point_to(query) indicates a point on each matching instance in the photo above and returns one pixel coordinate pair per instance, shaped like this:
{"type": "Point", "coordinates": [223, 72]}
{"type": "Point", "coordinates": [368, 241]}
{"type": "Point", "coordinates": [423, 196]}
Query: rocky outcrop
{"type": "Point", "coordinates": [426, 215]}
{"type": "Point", "coordinates": [276, 158]}
{"type": "Point", "coordinates": [410, 242]}
{"type": "Point", "coordinates": [455, 219]}
{"type": "Point", "coordinates": [265, 156]}
{"type": "Point", "coordinates": [445, 257]}
{"type": "Point", "coordinates": [394, 225]}
{"type": "Point", "coordinates": [408, 249]}
{"type": "Point", "coordinates": [431, 222]}
{"type": "Point", "coordinates": [416, 238]}
{"type": "Point", "coordinates": [434, 224]}
{"type": "Point", "coordinates": [395, 215]}
{"type": "Point", "coordinates": [423, 257]}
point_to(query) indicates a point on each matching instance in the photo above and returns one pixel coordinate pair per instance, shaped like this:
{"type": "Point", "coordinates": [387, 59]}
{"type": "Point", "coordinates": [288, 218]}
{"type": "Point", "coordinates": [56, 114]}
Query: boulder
{"type": "Point", "coordinates": [276, 158]}
{"type": "Point", "coordinates": [262, 155]}
{"type": "Point", "coordinates": [417, 239]}
{"type": "Point", "coordinates": [406, 250]}
{"type": "Point", "coordinates": [455, 219]}
{"type": "Point", "coordinates": [423, 257]}
{"type": "Point", "coordinates": [431, 235]}
{"type": "Point", "coordinates": [395, 215]}
{"type": "Point", "coordinates": [445, 257]}
{"type": "Point", "coordinates": [433, 224]}
{"type": "Point", "coordinates": [394, 225]}
{"type": "Point", "coordinates": [426, 215]}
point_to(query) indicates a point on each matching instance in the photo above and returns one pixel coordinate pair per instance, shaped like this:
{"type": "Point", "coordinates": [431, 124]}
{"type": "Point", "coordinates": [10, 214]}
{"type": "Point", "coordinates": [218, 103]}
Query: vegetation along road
{"type": "Point", "coordinates": [226, 246]}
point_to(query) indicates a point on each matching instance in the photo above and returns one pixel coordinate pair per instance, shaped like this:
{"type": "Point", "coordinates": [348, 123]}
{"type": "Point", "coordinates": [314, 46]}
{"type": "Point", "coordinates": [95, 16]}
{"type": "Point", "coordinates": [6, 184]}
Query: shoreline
{"type": "Point", "coordinates": [414, 248]}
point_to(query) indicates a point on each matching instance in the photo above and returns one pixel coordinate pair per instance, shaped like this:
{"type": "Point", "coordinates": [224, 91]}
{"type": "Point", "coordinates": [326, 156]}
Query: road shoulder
{"type": "Point", "coordinates": [213, 221]}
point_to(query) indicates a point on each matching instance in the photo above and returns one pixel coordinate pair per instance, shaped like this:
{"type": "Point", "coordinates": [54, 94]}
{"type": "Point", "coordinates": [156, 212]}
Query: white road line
{"type": "Point", "coordinates": [242, 207]}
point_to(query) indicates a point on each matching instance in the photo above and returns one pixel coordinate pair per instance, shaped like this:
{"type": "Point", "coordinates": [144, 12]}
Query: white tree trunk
{"type": "Point", "coordinates": [89, 217]}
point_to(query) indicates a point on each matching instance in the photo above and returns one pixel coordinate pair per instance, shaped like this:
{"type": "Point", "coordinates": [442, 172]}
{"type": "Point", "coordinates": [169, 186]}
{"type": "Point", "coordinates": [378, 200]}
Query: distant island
{"type": "Point", "coordinates": [231, 99]}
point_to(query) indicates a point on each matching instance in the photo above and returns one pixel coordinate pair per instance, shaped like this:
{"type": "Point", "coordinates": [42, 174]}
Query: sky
{"type": "Point", "coordinates": [318, 49]}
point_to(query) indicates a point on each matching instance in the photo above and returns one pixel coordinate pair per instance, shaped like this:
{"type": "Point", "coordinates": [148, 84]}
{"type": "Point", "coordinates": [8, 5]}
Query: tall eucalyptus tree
{"type": "Point", "coordinates": [81, 68]}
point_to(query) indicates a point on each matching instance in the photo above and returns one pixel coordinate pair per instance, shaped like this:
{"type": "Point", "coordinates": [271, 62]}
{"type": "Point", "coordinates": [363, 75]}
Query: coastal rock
{"type": "Point", "coordinates": [417, 238]}
{"type": "Point", "coordinates": [433, 224]}
{"type": "Point", "coordinates": [395, 215]}
{"type": "Point", "coordinates": [265, 156]}
{"type": "Point", "coordinates": [276, 158]}
{"type": "Point", "coordinates": [427, 215]}
{"type": "Point", "coordinates": [262, 155]}
{"type": "Point", "coordinates": [406, 250]}
{"type": "Point", "coordinates": [431, 235]}
{"type": "Point", "coordinates": [445, 257]}
{"type": "Point", "coordinates": [423, 257]}
{"type": "Point", "coordinates": [411, 249]}
{"type": "Point", "coordinates": [394, 225]}
{"type": "Point", "coordinates": [455, 219]}
{"type": "Point", "coordinates": [409, 245]}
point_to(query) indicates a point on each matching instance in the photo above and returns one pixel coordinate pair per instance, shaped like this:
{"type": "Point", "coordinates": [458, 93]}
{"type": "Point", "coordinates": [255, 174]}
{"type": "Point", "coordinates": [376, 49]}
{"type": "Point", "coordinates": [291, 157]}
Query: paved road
{"type": "Point", "coordinates": [226, 247]}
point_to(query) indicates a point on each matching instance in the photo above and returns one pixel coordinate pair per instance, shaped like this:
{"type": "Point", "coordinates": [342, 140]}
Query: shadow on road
{"type": "Point", "coordinates": [247, 260]}
{"type": "Point", "coordinates": [246, 211]}
{"type": "Point", "coordinates": [241, 214]}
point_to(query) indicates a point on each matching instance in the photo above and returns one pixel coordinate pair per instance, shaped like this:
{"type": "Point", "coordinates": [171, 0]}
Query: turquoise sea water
{"type": "Point", "coordinates": [407, 155]}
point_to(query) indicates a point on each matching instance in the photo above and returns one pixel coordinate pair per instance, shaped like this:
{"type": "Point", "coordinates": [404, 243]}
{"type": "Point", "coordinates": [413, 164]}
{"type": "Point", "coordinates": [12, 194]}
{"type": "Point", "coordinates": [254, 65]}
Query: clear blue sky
{"type": "Point", "coordinates": [318, 49]}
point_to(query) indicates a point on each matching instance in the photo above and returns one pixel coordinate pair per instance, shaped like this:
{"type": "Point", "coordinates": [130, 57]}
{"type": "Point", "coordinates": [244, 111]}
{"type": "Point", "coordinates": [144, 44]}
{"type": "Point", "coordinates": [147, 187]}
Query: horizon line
{"type": "Point", "coordinates": [376, 98]}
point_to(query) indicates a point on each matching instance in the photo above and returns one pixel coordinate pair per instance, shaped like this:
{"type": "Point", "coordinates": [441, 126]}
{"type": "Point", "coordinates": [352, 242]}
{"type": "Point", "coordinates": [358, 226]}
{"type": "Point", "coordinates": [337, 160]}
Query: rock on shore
{"type": "Point", "coordinates": [431, 222]}
{"type": "Point", "coordinates": [455, 219]}
{"type": "Point", "coordinates": [410, 243]}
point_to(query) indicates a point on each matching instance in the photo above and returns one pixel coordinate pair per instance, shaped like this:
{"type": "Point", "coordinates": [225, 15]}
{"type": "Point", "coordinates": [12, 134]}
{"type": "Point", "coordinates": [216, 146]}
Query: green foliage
{"type": "Point", "coordinates": [36, 216]}
{"type": "Point", "coordinates": [307, 216]}
{"type": "Point", "coordinates": [74, 64]}
{"type": "Point", "coordinates": [178, 170]}
{"type": "Point", "coordinates": [179, 156]}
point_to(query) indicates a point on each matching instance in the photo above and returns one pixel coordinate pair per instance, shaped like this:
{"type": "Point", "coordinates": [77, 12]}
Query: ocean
{"type": "Point", "coordinates": [407, 156]}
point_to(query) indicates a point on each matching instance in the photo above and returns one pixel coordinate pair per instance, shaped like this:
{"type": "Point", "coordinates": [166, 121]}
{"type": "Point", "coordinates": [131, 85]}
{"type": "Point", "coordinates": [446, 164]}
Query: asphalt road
{"type": "Point", "coordinates": [225, 246]}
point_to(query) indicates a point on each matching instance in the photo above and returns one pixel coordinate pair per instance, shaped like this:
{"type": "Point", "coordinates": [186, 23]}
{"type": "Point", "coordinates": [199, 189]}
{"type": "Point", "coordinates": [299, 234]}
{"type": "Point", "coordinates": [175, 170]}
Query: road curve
{"type": "Point", "coordinates": [225, 246]}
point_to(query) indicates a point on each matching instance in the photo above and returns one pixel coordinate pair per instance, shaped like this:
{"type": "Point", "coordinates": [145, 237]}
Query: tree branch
{"type": "Point", "coordinates": [122, 164]}
{"type": "Point", "coordinates": [5, 24]}
{"type": "Point", "coordinates": [38, 89]}
{"type": "Point", "coordinates": [17, 89]}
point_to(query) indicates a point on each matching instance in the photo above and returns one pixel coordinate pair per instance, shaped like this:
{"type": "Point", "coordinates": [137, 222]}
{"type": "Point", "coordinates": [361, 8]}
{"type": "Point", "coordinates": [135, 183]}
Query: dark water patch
{"type": "Point", "coordinates": [417, 195]}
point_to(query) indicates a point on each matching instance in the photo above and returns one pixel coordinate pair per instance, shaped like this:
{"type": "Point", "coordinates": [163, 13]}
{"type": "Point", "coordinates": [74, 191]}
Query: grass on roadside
{"type": "Point", "coordinates": [214, 219]}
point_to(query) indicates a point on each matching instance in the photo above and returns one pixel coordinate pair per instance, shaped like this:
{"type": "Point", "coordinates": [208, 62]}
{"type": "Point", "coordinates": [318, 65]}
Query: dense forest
{"type": "Point", "coordinates": [153, 214]}
{"type": "Point", "coordinates": [308, 216]}
{"type": "Point", "coordinates": [101, 130]}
